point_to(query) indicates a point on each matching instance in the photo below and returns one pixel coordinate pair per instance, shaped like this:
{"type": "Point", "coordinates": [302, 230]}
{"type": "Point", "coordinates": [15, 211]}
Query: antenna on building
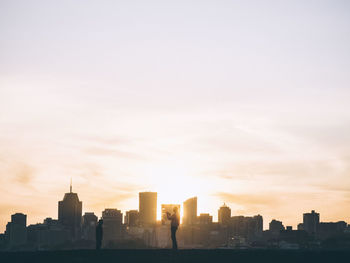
{"type": "Point", "coordinates": [70, 188]}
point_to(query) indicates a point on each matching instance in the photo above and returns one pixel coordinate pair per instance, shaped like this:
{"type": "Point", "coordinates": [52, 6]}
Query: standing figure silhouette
{"type": "Point", "coordinates": [175, 221]}
{"type": "Point", "coordinates": [99, 234]}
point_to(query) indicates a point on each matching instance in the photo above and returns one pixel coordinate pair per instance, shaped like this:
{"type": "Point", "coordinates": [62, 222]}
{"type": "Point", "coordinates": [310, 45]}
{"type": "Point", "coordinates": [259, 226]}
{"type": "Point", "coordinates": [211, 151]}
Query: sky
{"type": "Point", "coordinates": [237, 102]}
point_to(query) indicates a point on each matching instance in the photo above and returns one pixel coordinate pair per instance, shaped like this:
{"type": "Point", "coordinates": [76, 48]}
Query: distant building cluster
{"type": "Point", "coordinates": [140, 229]}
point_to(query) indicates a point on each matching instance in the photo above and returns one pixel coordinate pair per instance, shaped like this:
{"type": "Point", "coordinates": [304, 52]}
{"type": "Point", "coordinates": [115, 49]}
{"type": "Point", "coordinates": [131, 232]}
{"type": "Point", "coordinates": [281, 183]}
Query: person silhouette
{"type": "Point", "coordinates": [99, 234]}
{"type": "Point", "coordinates": [175, 221]}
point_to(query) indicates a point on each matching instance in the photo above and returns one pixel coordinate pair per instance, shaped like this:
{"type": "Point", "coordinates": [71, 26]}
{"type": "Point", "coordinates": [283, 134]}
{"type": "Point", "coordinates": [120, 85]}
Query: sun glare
{"type": "Point", "coordinates": [173, 181]}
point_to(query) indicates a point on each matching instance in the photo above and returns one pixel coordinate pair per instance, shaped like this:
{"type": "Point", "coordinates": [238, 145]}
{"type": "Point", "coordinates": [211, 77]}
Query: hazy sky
{"type": "Point", "coordinates": [243, 102]}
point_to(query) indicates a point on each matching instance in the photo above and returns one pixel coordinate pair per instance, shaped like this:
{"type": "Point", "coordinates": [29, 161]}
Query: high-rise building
{"type": "Point", "coordinates": [19, 219]}
{"type": "Point", "coordinates": [131, 218]}
{"type": "Point", "coordinates": [205, 219]}
{"type": "Point", "coordinates": [248, 227]}
{"type": "Point", "coordinates": [311, 222]}
{"type": "Point", "coordinates": [170, 209]}
{"type": "Point", "coordinates": [190, 211]}
{"type": "Point", "coordinates": [148, 208]}
{"type": "Point", "coordinates": [89, 226]}
{"type": "Point", "coordinates": [70, 212]}
{"type": "Point", "coordinates": [16, 231]}
{"type": "Point", "coordinates": [276, 226]}
{"type": "Point", "coordinates": [112, 225]}
{"type": "Point", "coordinates": [224, 215]}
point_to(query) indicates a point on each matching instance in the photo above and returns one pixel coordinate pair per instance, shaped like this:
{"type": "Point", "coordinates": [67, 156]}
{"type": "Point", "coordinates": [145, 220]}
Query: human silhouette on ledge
{"type": "Point", "coordinates": [175, 221]}
{"type": "Point", "coordinates": [99, 234]}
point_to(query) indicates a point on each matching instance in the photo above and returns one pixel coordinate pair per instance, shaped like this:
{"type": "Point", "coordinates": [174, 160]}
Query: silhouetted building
{"type": "Point", "coordinates": [89, 226]}
{"type": "Point", "coordinates": [205, 219]}
{"type": "Point", "coordinates": [257, 226]}
{"type": "Point", "coordinates": [347, 230]}
{"type": "Point", "coordinates": [218, 235]}
{"type": "Point", "coordinates": [16, 231]}
{"type": "Point", "coordinates": [250, 228]}
{"type": "Point", "coordinates": [190, 211]}
{"type": "Point", "coordinates": [224, 215]}
{"type": "Point", "coordinates": [70, 213]}
{"type": "Point", "coordinates": [148, 208]}
{"type": "Point", "coordinates": [48, 235]}
{"type": "Point", "coordinates": [311, 222]}
{"type": "Point", "coordinates": [131, 218]}
{"type": "Point", "coordinates": [331, 229]}
{"type": "Point", "coordinates": [238, 226]}
{"type": "Point", "coordinates": [19, 219]}
{"type": "Point", "coordinates": [2, 241]}
{"type": "Point", "coordinates": [99, 234]}
{"type": "Point", "coordinates": [170, 209]}
{"type": "Point", "coordinates": [203, 229]}
{"type": "Point", "coordinates": [112, 225]}
{"type": "Point", "coordinates": [293, 238]}
{"type": "Point", "coordinates": [276, 226]}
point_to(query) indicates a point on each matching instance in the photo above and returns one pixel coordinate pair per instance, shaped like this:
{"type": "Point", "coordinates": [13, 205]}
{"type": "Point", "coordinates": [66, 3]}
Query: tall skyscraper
{"type": "Point", "coordinates": [170, 209]}
{"type": "Point", "coordinates": [112, 224]}
{"type": "Point", "coordinates": [311, 222]}
{"type": "Point", "coordinates": [190, 211]}
{"type": "Point", "coordinates": [148, 208]}
{"type": "Point", "coordinates": [224, 215]}
{"type": "Point", "coordinates": [70, 212]}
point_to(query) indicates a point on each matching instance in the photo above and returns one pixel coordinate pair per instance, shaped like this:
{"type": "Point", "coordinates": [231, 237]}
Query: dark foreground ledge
{"type": "Point", "coordinates": [164, 255]}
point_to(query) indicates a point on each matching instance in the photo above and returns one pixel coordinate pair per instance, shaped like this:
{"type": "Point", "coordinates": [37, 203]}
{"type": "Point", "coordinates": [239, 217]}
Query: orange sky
{"type": "Point", "coordinates": [235, 102]}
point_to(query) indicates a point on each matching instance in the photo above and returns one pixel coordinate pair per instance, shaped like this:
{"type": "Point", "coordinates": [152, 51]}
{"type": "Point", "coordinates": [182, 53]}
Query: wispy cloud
{"type": "Point", "coordinates": [17, 172]}
{"type": "Point", "coordinates": [103, 151]}
{"type": "Point", "coordinates": [264, 199]}
{"type": "Point", "coordinates": [106, 140]}
{"type": "Point", "coordinates": [110, 200]}
{"type": "Point", "coordinates": [24, 174]}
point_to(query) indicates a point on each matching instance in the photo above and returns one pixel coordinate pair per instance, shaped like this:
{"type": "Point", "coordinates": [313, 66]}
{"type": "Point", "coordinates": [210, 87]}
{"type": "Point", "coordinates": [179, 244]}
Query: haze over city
{"type": "Point", "coordinates": [242, 102]}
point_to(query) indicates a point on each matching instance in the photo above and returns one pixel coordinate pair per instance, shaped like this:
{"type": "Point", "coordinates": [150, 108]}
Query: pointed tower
{"type": "Point", "coordinates": [70, 213]}
{"type": "Point", "coordinates": [70, 188]}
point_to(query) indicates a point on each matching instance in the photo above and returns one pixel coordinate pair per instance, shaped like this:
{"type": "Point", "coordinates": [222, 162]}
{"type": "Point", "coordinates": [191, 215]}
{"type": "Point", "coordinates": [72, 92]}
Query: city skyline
{"type": "Point", "coordinates": [237, 102]}
{"type": "Point", "coordinates": [158, 217]}
{"type": "Point", "coordinates": [141, 229]}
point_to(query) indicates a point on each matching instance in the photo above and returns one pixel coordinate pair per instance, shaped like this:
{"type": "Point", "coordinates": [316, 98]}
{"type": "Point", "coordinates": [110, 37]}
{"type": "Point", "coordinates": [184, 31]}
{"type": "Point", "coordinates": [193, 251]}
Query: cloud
{"type": "Point", "coordinates": [333, 133]}
{"type": "Point", "coordinates": [312, 172]}
{"type": "Point", "coordinates": [17, 172]}
{"type": "Point", "coordinates": [249, 199]}
{"type": "Point", "coordinates": [24, 174]}
{"type": "Point", "coordinates": [235, 140]}
{"type": "Point", "coordinates": [109, 200]}
{"type": "Point", "coordinates": [342, 187]}
{"type": "Point", "coordinates": [105, 140]}
{"type": "Point", "coordinates": [102, 151]}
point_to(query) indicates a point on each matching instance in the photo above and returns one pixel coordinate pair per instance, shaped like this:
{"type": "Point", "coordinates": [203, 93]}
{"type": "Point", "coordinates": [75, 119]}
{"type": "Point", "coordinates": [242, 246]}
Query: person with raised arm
{"type": "Point", "coordinates": [175, 221]}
